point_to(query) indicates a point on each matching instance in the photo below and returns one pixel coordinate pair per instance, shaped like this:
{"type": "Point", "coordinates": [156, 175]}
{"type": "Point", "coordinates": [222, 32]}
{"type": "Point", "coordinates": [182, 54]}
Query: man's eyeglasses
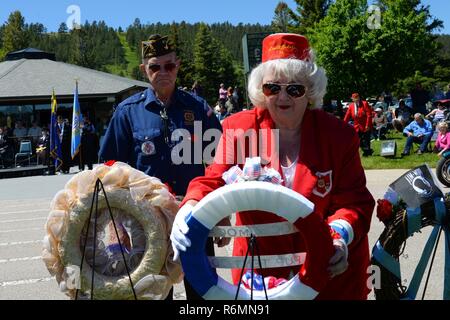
{"type": "Point", "coordinates": [169, 67]}
{"type": "Point", "coordinates": [295, 90]}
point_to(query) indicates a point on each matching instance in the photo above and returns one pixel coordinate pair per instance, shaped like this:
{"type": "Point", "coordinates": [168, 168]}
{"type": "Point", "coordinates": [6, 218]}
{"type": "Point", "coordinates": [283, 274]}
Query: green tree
{"type": "Point", "coordinates": [282, 21]}
{"type": "Point", "coordinates": [185, 73]}
{"type": "Point", "coordinates": [63, 28]}
{"type": "Point", "coordinates": [212, 63]}
{"type": "Point", "coordinates": [2, 28]}
{"type": "Point", "coordinates": [403, 87]}
{"type": "Point", "coordinates": [14, 33]}
{"type": "Point", "coordinates": [309, 13]}
{"type": "Point", "coordinates": [444, 41]}
{"type": "Point", "coordinates": [136, 73]}
{"type": "Point", "coordinates": [35, 33]}
{"type": "Point", "coordinates": [372, 60]}
{"type": "Point", "coordinates": [442, 67]}
{"type": "Point", "coordinates": [205, 54]}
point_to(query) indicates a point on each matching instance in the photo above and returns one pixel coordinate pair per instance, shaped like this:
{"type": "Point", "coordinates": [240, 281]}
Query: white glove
{"type": "Point", "coordinates": [339, 261]}
{"type": "Point", "coordinates": [179, 231]}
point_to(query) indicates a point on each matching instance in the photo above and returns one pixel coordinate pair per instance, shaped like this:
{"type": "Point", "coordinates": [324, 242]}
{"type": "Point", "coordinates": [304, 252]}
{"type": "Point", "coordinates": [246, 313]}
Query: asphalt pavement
{"type": "Point", "coordinates": [25, 203]}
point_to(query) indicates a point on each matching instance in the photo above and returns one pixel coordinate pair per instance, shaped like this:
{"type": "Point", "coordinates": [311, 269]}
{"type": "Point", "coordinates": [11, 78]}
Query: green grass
{"type": "Point", "coordinates": [408, 162]}
{"type": "Point", "coordinates": [130, 57]}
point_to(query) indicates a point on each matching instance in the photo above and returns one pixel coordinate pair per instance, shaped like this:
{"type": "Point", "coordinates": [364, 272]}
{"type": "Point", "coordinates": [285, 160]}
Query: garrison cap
{"type": "Point", "coordinates": [156, 46]}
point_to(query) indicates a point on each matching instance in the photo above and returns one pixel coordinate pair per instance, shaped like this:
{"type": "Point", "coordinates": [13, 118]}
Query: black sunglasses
{"type": "Point", "coordinates": [169, 67]}
{"type": "Point", "coordinates": [295, 90]}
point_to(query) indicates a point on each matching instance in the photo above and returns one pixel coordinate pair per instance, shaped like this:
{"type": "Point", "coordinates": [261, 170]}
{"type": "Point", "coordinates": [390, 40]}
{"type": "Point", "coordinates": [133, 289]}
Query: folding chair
{"type": "Point", "coordinates": [24, 151]}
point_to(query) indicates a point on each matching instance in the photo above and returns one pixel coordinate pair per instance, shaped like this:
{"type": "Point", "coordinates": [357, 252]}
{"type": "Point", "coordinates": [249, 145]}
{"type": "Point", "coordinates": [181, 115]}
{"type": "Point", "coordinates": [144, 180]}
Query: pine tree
{"type": "Point", "coordinates": [35, 33]}
{"type": "Point", "coordinates": [213, 64]}
{"type": "Point", "coordinates": [2, 28]}
{"type": "Point", "coordinates": [282, 21]}
{"type": "Point", "coordinates": [174, 38]}
{"type": "Point", "coordinates": [63, 28]}
{"type": "Point", "coordinates": [14, 33]}
{"type": "Point", "coordinates": [309, 13]}
{"type": "Point", "coordinates": [205, 54]}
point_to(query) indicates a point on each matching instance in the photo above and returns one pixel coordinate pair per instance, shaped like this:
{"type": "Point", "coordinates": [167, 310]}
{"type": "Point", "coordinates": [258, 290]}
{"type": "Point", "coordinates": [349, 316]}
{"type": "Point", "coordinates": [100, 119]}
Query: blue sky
{"type": "Point", "coordinates": [123, 13]}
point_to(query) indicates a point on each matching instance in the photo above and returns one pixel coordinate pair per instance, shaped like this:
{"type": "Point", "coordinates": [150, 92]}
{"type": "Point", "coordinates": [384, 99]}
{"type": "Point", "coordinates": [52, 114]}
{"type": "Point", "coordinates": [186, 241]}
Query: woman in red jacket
{"type": "Point", "coordinates": [317, 156]}
{"type": "Point", "coordinates": [361, 113]}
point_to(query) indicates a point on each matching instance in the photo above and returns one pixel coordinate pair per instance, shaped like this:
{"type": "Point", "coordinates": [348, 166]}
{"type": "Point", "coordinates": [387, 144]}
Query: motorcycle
{"type": "Point", "coordinates": [443, 169]}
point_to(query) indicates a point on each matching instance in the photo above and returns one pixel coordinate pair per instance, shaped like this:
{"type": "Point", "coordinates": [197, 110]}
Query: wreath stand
{"type": "Point", "coordinates": [252, 246]}
{"type": "Point", "coordinates": [392, 242]}
{"type": "Point", "coordinates": [100, 188]}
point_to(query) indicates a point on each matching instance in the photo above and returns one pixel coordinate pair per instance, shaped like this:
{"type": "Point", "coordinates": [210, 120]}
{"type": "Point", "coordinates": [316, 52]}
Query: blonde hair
{"type": "Point", "coordinates": [442, 124]}
{"type": "Point", "coordinates": [298, 71]}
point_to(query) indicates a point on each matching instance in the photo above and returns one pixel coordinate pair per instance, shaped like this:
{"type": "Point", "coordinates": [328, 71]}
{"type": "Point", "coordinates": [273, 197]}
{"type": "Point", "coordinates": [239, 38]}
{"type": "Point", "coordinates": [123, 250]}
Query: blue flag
{"type": "Point", "coordinates": [55, 142]}
{"type": "Point", "coordinates": [76, 119]}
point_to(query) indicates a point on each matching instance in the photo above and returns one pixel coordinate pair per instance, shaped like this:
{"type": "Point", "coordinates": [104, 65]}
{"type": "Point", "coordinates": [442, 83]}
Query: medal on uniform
{"type": "Point", "coordinates": [189, 118]}
{"type": "Point", "coordinates": [148, 148]}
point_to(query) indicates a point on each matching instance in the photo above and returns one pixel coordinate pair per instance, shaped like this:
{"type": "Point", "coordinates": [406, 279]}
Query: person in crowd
{"type": "Point", "coordinates": [20, 131]}
{"type": "Point", "coordinates": [218, 106]}
{"type": "Point", "coordinates": [143, 130]}
{"type": "Point", "coordinates": [43, 147]}
{"type": "Point", "coordinates": [401, 116]}
{"type": "Point", "coordinates": [223, 113]}
{"type": "Point", "coordinates": [361, 113]}
{"type": "Point", "coordinates": [223, 93]}
{"type": "Point", "coordinates": [5, 150]}
{"type": "Point", "coordinates": [197, 89]}
{"type": "Point", "coordinates": [381, 103]}
{"type": "Point", "coordinates": [418, 131]}
{"type": "Point", "coordinates": [89, 145]}
{"type": "Point", "coordinates": [238, 98]}
{"type": "Point", "coordinates": [287, 90]}
{"type": "Point", "coordinates": [438, 114]}
{"type": "Point", "coordinates": [443, 139]}
{"type": "Point", "coordinates": [35, 132]}
{"type": "Point", "coordinates": [380, 124]}
{"type": "Point", "coordinates": [65, 138]}
{"type": "Point", "coordinates": [231, 104]}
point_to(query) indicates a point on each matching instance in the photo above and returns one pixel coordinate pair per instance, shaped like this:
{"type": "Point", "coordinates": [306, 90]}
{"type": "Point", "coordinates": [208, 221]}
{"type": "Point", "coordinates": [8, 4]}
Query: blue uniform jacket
{"type": "Point", "coordinates": [135, 136]}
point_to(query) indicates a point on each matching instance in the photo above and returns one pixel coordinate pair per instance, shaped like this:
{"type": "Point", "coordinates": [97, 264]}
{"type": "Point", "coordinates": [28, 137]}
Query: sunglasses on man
{"type": "Point", "coordinates": [169, 67]}
{"type": "Point", "coordinates": [295, 90]}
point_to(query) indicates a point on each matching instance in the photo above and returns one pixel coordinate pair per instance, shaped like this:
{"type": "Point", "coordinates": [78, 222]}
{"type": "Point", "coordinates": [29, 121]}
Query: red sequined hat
{"type": "Point", "coordinates": [285, 46]}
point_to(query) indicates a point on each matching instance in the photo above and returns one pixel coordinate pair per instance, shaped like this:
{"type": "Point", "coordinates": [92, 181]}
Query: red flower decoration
{"type": "Point", "coordinates": [110, 163]}
{"type": "Point", "coordinates": [384, 210]}
{"type": "Point", "coordinates": [334, 234]}
{"type": "Point", "coordinates": [169, 188]}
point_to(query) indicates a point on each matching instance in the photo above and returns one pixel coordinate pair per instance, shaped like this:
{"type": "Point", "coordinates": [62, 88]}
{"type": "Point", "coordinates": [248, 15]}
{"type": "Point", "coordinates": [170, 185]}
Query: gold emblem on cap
{"type": "Point", "coordinates": [156, 46]}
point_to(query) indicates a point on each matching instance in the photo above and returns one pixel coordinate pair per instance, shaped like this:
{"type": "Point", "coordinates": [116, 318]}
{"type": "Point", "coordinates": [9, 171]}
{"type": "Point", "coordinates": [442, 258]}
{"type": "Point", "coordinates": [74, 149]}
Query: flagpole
{"type": "Point", "coordinates": [80, 162]}
{"type": "Point", "coordinates": [50, 169]}
{"type": "Point", "coordinates": [76, 128]}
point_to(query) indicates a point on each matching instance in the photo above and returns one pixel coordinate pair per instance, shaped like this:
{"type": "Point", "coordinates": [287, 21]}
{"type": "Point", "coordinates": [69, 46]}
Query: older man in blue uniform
{"type": "Point", "coordinates": [143, 129]}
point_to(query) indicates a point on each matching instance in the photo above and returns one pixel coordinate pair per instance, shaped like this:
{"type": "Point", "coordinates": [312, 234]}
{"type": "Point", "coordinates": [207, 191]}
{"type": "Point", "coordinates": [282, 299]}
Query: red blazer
{"type": "Point", "coordinates": [328, 146]}
{"type": "Point", "coordinates": [361, 121]}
